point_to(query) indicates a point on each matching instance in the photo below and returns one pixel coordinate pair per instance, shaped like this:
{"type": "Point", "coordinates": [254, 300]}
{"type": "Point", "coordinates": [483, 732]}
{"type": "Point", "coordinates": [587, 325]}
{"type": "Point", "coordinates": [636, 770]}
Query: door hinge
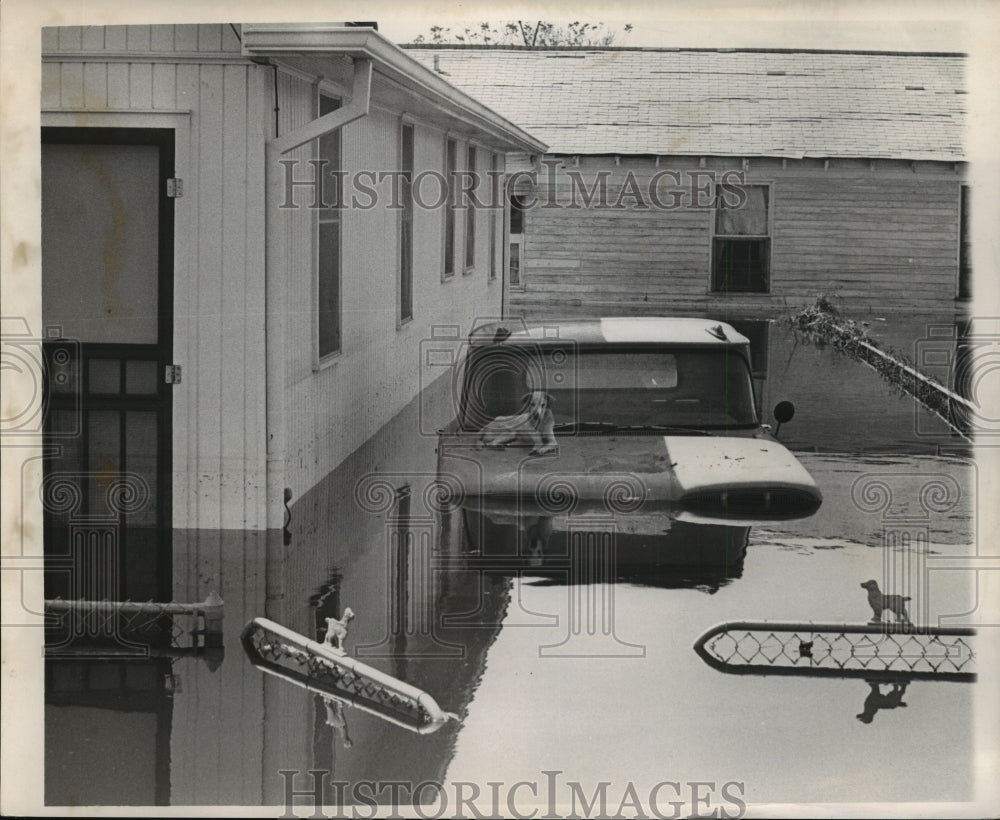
{"type": "Point", "coordinates": [175, 188]}
{"type": "Point", "coordinates": [172, 374]}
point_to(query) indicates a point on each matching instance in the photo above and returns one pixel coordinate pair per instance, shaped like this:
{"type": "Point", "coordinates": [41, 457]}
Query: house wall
{"type": "Point", "coordinates": [334, 406]}
{"type": "Point", "coordinates": [193, 77]}
{"type": "Point", "coordinates": [222, 107]}
{"type": "Point", "coordinates": [867, 235]}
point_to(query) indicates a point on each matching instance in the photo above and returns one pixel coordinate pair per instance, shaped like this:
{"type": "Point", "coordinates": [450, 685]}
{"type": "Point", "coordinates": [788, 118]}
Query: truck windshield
{"type": "Point", "coordinates": [642, 388]}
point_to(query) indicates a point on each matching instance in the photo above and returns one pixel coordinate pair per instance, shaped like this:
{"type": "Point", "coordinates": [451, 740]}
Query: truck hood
{"type": "Point", "coordinates": [704, 477]}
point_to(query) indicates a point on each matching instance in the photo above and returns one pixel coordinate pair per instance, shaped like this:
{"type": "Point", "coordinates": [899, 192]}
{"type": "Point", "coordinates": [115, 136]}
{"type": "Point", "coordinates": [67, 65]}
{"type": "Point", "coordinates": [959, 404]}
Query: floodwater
{"type": "Point", "coordinates": [558, 674]}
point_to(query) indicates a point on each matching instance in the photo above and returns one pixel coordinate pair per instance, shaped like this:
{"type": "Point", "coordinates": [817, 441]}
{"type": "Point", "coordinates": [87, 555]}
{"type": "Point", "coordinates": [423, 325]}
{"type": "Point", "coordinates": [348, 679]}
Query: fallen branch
{"type": "Point", "coordinates": [823, 325]}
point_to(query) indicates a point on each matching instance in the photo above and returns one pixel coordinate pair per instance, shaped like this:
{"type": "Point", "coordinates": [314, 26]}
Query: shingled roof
{"type": "Point", "coordinates": [773, 103]}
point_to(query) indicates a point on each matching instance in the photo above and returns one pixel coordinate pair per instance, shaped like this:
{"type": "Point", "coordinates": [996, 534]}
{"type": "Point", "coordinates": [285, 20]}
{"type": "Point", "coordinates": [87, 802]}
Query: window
{"type": "Point", "coordinates": [516, 257]}
{"type": "Point", "coordinates": [741, 244]}
{"type": "Point", "coordinates": [964, 248]}
{"type": "Point", "coordinates": [451, 153]}
{"type": "Point", "coordinates": [634, 386]}
{"type": "Point", "coordinates": [495, 214]}
{"type": "Point", "coordinates": [470, 214]}
{"type": "Point", "coordinates": [328, 242]}
{"type": "Point", "coordinates": [406, 224]}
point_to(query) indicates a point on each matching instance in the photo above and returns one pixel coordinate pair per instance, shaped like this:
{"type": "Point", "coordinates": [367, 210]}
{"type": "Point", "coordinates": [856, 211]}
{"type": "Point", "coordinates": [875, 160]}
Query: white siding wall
{"type": "Point", "coordinates": [218, 458]}
{"type": "Point", "coordinates": [333, 410]}
{"type": "Point", "coordinates": [219, 409]}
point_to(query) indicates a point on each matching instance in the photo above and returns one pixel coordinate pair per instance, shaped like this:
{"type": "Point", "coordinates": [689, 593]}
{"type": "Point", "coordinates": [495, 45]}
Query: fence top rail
{"type": "Point", "coordinates": [843, 628]}
{"type": "Point", "coordinates": [212, 603]}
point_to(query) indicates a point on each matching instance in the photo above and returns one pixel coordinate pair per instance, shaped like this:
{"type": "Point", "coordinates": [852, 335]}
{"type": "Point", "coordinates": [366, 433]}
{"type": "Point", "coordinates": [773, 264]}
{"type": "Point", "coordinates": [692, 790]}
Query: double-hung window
{"type": "Point", "coordinates": [406, 224]}
{"type": "Point", "coordinates": [741, 242]}
{"type": "Point", "coordinates": [450, 162]}
{"type": "Point", "coordinates": [328, 240]}
{"type": "Point", "coordinates": [470, 212]}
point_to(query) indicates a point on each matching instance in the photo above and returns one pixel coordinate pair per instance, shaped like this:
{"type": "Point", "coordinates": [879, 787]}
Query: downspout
{"type": "Point", "coordinates": [276, 277]}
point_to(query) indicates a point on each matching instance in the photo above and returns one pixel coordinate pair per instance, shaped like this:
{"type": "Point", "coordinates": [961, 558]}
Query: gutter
{"type": "Point", "coordinates": [275, 278]}
{"type": "Point", "coordinates": [284, 41]}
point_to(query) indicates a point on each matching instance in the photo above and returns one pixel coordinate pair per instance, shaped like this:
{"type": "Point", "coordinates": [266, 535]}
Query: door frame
{"type": "Point", "coordinates": [165, 139]}
{"type": "Point", "coordinates": [184, 261]}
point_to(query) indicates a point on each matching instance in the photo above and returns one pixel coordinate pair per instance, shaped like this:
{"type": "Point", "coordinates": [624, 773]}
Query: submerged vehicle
{"type": "Point", "coordinates": [617, 416]}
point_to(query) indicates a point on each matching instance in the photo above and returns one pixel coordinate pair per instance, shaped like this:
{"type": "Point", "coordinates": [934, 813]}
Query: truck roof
{"type": "Point", "coordinates": [613, 330]}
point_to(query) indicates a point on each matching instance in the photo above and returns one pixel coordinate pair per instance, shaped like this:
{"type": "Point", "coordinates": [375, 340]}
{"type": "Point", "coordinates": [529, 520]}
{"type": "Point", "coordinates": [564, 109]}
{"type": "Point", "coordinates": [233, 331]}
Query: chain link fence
{"type": "Point", "coordinates": [331, 673]}
{"type": "Point", "coordinates": [840, 650]}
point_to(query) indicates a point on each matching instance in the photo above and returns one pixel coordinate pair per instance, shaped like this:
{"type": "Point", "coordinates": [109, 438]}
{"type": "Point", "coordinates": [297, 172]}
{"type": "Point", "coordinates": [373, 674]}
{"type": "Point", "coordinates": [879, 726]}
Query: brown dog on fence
{"type": "Point", "coordinates": [879, 602]}
{"type": "Point", "coordinates": [534, 425]}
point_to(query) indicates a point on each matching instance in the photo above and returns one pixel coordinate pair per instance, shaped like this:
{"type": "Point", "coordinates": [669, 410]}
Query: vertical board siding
{"type": "Point", "coordinates": [209, 766]}
{"type": "Point", "coordinates": [140, 86]}
{"type": "Point", "coordinates": [866, 239]}
{"type": "Point", "coordinates": [333, 410]}
{"type": "Point", "coordinates": [118, 85]}
{"type": "Point", "coordinates": [161, 39]}
{"type": "Point", "coordinates": [187, 469]}
{"type": "Point", "coordinates": [219, 462]}
{"type": "Point", "coordinates": [219, 418]}
{"type": "Point", "coordinates": [209, 283]}
{"type": "Point", "coordinates": [233, 319]}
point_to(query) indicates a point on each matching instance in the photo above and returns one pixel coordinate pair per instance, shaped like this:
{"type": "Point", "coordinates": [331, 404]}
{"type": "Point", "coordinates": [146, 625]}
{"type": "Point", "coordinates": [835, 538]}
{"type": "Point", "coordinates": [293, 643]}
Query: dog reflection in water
{"type": "Point", "coordinates": [537, 536]}
{"type": "Point", "coordinates": [336, 720]}
{"type": "Point", "coordinates": [876, 700]}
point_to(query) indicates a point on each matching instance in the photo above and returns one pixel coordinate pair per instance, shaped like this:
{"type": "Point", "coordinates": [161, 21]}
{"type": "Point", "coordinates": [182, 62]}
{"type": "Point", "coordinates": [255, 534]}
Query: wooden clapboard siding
{"type": "Point", "coordinates": [866, 235]}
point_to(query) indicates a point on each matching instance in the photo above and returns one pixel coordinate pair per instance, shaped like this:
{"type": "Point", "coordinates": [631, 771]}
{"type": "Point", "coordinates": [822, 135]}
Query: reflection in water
{"type": "Point", "coordinates": [456, 601]}
{"type": "Point", "coordinates": [876, 700]}
{"type": "Point", "coordinates": [647, 547]}
{"type": "Point", "coordinates": [335, 718]}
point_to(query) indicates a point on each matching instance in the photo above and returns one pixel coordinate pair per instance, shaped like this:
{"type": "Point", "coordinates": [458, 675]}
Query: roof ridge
{"type": "Point", "coordinates": [692, 49]}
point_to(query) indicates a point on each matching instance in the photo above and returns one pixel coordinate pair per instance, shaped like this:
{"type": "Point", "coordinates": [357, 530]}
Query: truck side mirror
{"type": "Point", "coordinates": [783, 411]}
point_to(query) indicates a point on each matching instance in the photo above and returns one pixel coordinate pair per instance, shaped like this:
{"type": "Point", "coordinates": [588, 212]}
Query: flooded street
{"type": "Point", "coordinates": [560, 668]}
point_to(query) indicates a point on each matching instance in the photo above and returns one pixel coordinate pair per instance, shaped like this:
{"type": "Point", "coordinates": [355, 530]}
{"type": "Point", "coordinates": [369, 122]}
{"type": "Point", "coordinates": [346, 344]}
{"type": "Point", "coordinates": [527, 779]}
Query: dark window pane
{"type": "Point", "coordinates": [740, 265]}
{"type": "Point", "coordinates": [964, 248]}
{"type": "Point", "coordinates": [406, 225]}
{"type": "Point", "coordinates": [515, 263]}
{"type": "Point", "coordinates": [516, 214]}
{"type": "Point", "coordinates": [141, 376]}
{"type": "Point", "coordinates": [406, 270]}
{"type": "Point", "coordinates": [105, 376]}
{"type": "Point", "coordinates": [470, 218]}
{"type": "Point", "coordinates": [328, 251]}
{"type": "Point", "coordinates": [329, 288]}
{"type": "Point", "coordinates": [449, 214]}
{"type": "Point", "coordinates": [494, 216]}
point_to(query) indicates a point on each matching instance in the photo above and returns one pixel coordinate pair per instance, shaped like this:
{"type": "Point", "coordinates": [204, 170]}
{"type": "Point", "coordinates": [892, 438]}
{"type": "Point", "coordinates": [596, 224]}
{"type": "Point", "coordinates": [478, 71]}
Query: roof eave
{"type": "Point", "coordinates": [277, 40]}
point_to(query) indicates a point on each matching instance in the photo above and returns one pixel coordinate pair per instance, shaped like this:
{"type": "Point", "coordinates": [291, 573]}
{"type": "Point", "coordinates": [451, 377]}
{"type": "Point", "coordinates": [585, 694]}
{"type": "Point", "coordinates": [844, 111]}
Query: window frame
{"type": "Point", "coordinates": [406, 215]}
{"type": "Point", "coordinates": [323, 359]}
{"type": "Point", "coordinates": [469, 254]}
{"type": "Point", "coordinates": [715, 281]}
{"type": "Point", "coordinates": [511, 241]}
{"type": "Point", "coordinates": [449, 226]}
{"type": "Point", "coordinates": [495, 217]}
{"type": "Point", "coordinates": [963, 286]}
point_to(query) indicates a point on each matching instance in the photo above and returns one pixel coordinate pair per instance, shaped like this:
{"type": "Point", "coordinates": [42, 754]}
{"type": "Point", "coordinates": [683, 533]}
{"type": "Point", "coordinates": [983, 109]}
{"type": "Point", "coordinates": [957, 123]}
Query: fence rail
{"type": "Point", "coordinates": [320, 668]}
{"type": "Point", "coordinates": [870, 651]}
